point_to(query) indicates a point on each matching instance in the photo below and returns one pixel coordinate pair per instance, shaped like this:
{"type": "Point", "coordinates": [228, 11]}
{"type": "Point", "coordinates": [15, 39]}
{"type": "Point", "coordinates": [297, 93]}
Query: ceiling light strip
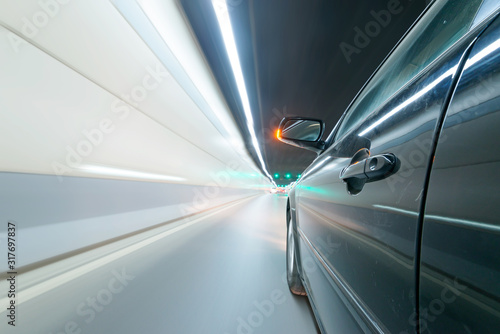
{"type": "Point", "coordinates": [222, 14]}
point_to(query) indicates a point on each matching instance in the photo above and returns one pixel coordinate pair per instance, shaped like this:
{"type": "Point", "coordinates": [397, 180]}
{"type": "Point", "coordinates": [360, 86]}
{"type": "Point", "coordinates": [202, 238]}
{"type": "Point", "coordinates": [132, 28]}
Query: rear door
{"type": "Point", "coordinates": [460, 263]}
{"type": "Point", "coordinates": [364, 235]}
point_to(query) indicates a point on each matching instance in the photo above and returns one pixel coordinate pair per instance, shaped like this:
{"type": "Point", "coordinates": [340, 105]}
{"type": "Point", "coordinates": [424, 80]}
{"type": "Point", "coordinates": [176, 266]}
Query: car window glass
{"type": "Point", "coordinates": [443, 25]}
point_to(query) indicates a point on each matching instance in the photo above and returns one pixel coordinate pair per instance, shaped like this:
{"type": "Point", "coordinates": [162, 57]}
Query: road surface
{"type": "Point", "coordinates": [220, 272]}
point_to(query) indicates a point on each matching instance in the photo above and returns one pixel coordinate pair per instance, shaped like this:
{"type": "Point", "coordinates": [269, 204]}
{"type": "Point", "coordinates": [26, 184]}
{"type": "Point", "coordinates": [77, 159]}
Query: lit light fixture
{"type": "Point", "coordinates": [222, 13]}
{"type": "Point", "coordinates": [278, 134]}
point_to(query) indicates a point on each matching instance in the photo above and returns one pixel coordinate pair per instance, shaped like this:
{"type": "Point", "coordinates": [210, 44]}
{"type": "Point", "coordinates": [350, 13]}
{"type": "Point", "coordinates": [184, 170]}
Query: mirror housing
{"type": "Point", "coordinates": [302, 132]}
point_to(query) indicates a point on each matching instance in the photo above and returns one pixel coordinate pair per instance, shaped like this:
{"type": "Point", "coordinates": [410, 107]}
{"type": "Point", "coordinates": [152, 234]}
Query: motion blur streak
{"type": "Point", "coordinates": [222, 13]}
{"type": "Point", "coordinates": [136, 243]}
{"type": "Point", "coordinates": [221, 273]}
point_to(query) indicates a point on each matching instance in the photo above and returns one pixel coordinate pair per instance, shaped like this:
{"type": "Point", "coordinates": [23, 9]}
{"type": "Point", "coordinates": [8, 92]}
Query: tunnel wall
{"type": "Point", "coordinates": [54, 217]}
{"type": "Point", "coordinates": [105, 130]}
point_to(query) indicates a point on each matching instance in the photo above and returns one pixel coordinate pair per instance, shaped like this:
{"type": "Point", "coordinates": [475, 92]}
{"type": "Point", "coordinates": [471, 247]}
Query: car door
{"type": "Point", "coordinates": [364, 231]}
{"type": "Point", "coordinates": [460, 278]}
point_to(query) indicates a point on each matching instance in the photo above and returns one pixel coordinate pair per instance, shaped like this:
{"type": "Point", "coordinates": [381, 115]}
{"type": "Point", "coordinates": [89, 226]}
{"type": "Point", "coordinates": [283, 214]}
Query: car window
{"type": "Point", "coordinates": [445, 23]}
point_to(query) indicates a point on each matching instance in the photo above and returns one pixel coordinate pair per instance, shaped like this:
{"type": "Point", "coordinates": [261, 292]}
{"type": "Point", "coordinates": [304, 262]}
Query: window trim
{"type": "Point", "coordinates": [475, 28]}
{"type": "Point", "coordinates": [330, 139]}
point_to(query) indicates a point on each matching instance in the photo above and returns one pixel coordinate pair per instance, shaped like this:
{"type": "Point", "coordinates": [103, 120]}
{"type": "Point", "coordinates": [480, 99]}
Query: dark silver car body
{"type": "Point", "coordinates": [417, 248]}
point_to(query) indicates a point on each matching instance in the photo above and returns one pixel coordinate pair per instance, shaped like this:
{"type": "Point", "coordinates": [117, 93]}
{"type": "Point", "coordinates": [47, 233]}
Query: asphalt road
{"type": "Point", "coordinates": [222, 272]}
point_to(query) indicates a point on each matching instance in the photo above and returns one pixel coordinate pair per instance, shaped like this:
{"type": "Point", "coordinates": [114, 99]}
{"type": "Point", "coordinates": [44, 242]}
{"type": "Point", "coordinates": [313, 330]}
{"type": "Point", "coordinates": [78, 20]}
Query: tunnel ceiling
{"type": "Point", "coordinates": [299, 58]}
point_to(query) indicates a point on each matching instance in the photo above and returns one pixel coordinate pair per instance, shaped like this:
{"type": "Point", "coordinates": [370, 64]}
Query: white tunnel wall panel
{"type": "Point", "coordinates": [82, 161]}
{"type": "Point", "coordinates": [55, 217]}
{"type": "Point", "coordinates": [167, 17]}
{"type": "Point", "coordinates": [93, 38]}
{"type": "Point", "coordinates": [59, 121]}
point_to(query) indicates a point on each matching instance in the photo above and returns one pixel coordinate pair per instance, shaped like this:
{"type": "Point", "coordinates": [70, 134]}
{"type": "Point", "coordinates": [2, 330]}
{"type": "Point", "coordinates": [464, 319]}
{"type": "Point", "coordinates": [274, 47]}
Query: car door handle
{"type": "Point", "coordinates": [364, 168]}
{"type": "Point", "coordinates": [372, 168]}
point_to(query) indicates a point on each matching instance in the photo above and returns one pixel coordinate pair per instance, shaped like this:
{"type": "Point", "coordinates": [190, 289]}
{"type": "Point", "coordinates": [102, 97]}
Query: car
{"type": "Point", "coordinates": [395, 226]}
{"type": "Point", "coordinates": [281, 190]}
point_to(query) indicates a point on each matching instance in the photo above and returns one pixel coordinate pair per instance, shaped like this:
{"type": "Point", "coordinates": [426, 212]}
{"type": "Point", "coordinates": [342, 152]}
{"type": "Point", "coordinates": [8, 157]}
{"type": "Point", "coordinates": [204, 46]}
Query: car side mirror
{"type": "Point", "coordinates": [302, 132]}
